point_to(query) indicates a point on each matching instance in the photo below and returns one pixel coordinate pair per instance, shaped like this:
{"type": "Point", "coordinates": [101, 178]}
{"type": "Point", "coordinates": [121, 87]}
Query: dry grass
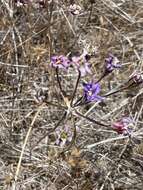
{"type": "Point", "coordinates": [99, 158]}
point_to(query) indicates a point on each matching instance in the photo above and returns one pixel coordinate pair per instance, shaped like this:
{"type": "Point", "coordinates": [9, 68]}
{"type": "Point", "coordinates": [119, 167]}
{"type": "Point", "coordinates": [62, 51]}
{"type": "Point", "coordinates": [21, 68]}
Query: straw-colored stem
{"type": "Point", "coordinates": [23, 147]}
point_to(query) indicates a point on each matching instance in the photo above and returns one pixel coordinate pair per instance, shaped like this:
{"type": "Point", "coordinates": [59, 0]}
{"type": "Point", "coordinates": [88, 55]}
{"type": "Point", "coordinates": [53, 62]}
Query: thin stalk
{"type": "Point", "coordinates": [77, 103]}
{"type": "Point", "coordinates": [119, 90]}
{"type": "Point", "coordinates": [59, 83]}
{"type": "Point", "coordinates": [92, 120]}
{"type": "Point", "coordinates": [75, 89]}
{"type": "Point", "coordinates": [102, 76]}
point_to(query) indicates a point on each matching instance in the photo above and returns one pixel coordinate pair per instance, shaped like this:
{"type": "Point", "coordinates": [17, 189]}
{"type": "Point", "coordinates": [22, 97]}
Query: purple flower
{"type": "Point", "coordinates": [85, 69]}
{"type": "Point", "coordinates": [111, 63]}
{"type": "Point", "coordinates": [91, 91]}
{"type": "Point", "coordinates": [61, 62]}
{"type": "Point", "coordinates": [81, 63]}
{"type": "Point", "coordinates": [137, 78]}
{"type": "Point", "coordinates": [123, 126]}
{"type": "Point", "coordinates": [63, 135]}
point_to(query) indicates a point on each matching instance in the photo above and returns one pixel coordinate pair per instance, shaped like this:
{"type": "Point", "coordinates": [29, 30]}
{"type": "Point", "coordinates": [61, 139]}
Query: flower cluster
{"type": "Point", "coordinates": [123, 126]}
{"type": "Point", "coordinates": [111, 63]}
{"type": "Point", "coordinates": [91, 91]}
{"type": "Point", "coordinates": [81, 63]}
{"type": "Point", "coordinates": [60, 62]}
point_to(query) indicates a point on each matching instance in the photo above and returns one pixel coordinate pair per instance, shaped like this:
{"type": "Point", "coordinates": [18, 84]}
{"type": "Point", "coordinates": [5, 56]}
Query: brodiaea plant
{"type": "Point", "coordinates": [71, 94]}
{"type": "Point", "coordinates": [91, 93]}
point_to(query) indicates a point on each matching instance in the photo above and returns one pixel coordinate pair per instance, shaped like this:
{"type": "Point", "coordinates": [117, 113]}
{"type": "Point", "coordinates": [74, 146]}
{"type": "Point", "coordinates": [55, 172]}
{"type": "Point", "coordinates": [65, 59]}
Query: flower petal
{"type": "Point", "coordinates": [96, 88]}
